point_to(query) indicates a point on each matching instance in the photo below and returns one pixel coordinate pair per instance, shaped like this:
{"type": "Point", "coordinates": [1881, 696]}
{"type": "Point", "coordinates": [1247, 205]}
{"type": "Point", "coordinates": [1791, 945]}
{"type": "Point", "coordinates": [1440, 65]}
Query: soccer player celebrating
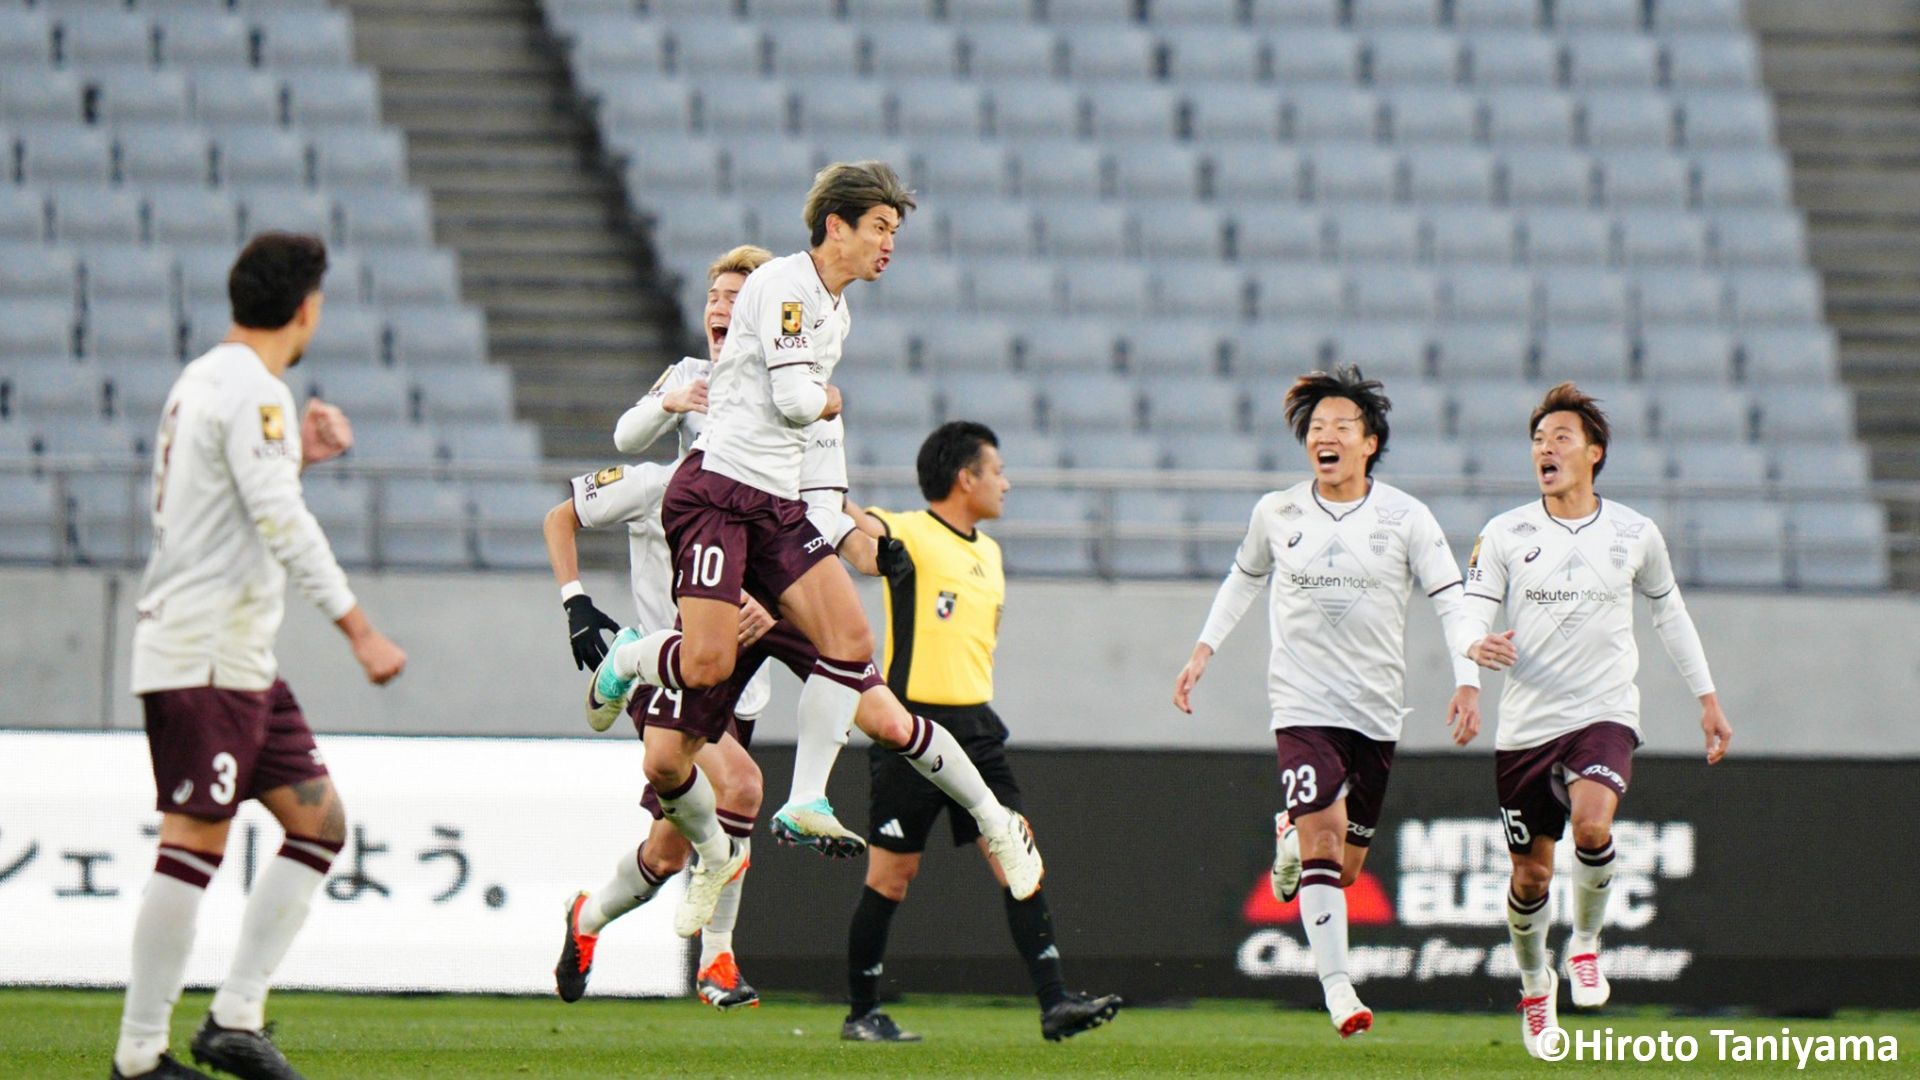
{"type": "Point", "coordinates": [1566, 567]}
{"type": "Point", "coordinates": [1348, 551]}
{"type": "Point", "coordinates": [230, 527]}
{"type": "Point", "coordinates": [945, 592]}
{"type": "Point", "coordinates": [630, 496]}
{"type": "Point", "coordinates": [735, 521]}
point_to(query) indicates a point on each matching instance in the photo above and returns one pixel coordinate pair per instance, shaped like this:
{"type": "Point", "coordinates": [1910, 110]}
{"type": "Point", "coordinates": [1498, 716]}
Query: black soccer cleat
{"type": "Point", "coordinates": [1076, 1013]}
{"type": "Point", "coordinates": [249, 1055]}
{"type": "Point", "coordinates": [168, 1069]}
{"type": "Point", "coordinates": [576, 955]}
{"type": "Point", "coordinates": [875, 1026]}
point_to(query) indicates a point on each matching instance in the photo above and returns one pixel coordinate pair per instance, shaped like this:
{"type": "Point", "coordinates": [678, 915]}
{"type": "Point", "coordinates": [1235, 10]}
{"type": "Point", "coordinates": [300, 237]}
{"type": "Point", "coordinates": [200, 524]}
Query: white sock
{"type": "Point", "coordinates": [641, 660]}
{"type": "Point", "coordinates": [1323, 913]}
{"type": "Point", "coordinates": [1592, 884]}
{"type": "Point", "coordinates": [935, 754]}
{"type": "Point", "coordinates": [717, 936]}
{"type": "Point", "coordinates": [632, 884]}
{"type": "Point", "coordinates": [162, 939]}
{"type": "Point", "coordinates": [691, 811]}
{"type": "Point", "coordinates": [281, 898]}
{"type": "Point", "coordinates": [826, 713]}
{"type": "Point", "coordinates": [1527, 923]}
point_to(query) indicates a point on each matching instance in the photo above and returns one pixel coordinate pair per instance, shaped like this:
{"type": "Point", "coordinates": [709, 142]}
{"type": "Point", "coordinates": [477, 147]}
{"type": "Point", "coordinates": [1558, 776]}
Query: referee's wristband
{"type": "Point", "coordinates": [571, 589]}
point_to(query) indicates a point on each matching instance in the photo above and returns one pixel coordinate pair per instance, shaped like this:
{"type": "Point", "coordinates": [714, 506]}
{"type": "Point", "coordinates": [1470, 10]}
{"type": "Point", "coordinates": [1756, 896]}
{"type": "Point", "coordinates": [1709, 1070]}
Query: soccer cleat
{"type": "Point", "coordinates": [722, 987]}
{"type": "Point", "coordinates": [1350, 1018]}
{"type": "Point", "coordinates": [875, 1026]}
{"type": "Point", "coordinates": [607, 694]}
{"type": "Point", "coordinates": [576, 954]}
{"type": "Point", "coordinates": [813, 825]}
{"type": "Point", "coordinates": [1585, 983]}
{"type": "Point", "coordinates": [1013, 848]}
{"type": "Point", "coordinates": [249, 1055]}
{"type": "Point", "coordinates": [1077, 1013]}
{"type": "Point", "coordinates": [168, 1069]}
{"type": "Point", "coordinates": [704, 883]}
{"type": "Point", "coordinates": [1539, 1015]}
{"type": "Point", "coordinates": [1285, 877]}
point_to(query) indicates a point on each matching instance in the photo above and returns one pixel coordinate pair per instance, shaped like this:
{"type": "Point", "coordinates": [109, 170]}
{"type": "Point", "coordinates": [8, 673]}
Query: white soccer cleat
{"type": "Point", "coordinates": [1350, 1017]}
{"type": "Point", "coordinates": [1586, 984]}
{"type": "Point", "coordinates": [1285, 877]}
{"type": "Point", "coordinates": [704, 884]}
{"type": "Point", "coordinates": [1539, 1015]}
{"type": "Point", "coordinates": [1013, 848]}
{"type": "Point", "coordinates": [812, 825]}
{"type": "Point", "coordinates": [607, 692]}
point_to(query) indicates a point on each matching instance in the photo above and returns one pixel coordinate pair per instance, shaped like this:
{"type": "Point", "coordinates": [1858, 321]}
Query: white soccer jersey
{"type": "Point", "coordinates": [643, 424]}
{"type": "Point", "coordinates": [229, 526]}
{"type": "Point", "coordinates": [1341, 576]}
{"type": "Point", "coordinates": [786, 327]}
{"type": "Point", "coordinates": [1568, 589]}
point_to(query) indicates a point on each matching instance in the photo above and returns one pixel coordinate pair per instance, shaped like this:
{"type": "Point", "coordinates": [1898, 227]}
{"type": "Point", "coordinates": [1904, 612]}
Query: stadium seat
{"type": "Point", "coordinates": [1187, 347]}
{"type": "Point", "coordinates": [1685, 15]}
{"type": "Point", "coordinates": [1579, 352]}
{"type": "Point", "coordinates": [1191, 403]}
{"type": "Point", "coordinates": [890, 399]}
{"type": "Point", "coordinates": [1214, 53]}
{"type": "Point", "coordinates": [916, 52]}
{"type": "Point", "coordinates": [430, 336]}
{"type": "Point", "coordinates": [1429, 115]}
{"type": "Point", "coordinates": [235, 96]}
{"type": "Point", "coordinates": [343, 504]}
{"type": "Point", "coordinates": [1838, 544]}
{"type": "Point", "coordinates": [424, 523]}
{"type": "Point", "coordinates": [129, 96]}
{"type": "Point", "coordinates": [1542, 177]}
{"type": "Point", "coordinates": [1652, 179]}
{"type": "Point", "coordinates": [1392, 292]}
{"type": "Point", "coordinates": [1496, 14]}
{"type": "Point", "coordinates": [965, 344]}
{"type": "Point", "coordinates": [1233, 114]}
{"type": "Point", "coordinates": [1494, 409]}
{"type": "Point", "coordinates": [1627, 119]}
{"type": "Point", "coordinates": [1284, 349]}
{"type": "Point", "coordinates": [1060, 169]}
{"type": "Point", "coordinates": [843, 106]}
{"type": "Point", "coordinates": [1680, 297]}
{"type": "Point", "coordinates": [1480, 351]}
{"type": "Point", "coordinates": [1822, 414]}
{"type": "Point", "coordinates": [291, 209]}
{"type": "Point", "coordinates": [137, 389]}
{"type": "Point", "coordinates": [922, 286]}
{"type": "Point", "coordinates": [58, 154]}
{"type": "Point", "coordinates": [1035, 110]}
{"type": "Point", "coordinates": [1211, 290]}
{"type": "Point", "coordinates": [1073, 229]}
{"type": "Point", "coordinates": [36, 95]}
{"type": "Point", "coordinates": [938, 108]}
{"type": "Point", "coordinates": [1384, 350]}
{"type": "Point", "coordinates": [1481, 293]}
{"type": "Point", "coordinates": [989, 228]}
{"type": "Point", "coordinates": [1103, 288]}
{"type": "Point", "coordinates": [1256, 174]}
{"type": "Point", "coordinates": [1472, 236]}
{"type": "Point", "coordinates": [1657, 238]}
{"type": "Point", "coordinates": [1686, 354]}
{"type": "Point", "coordinates": [1790, 355]}
{"type": "Point", "coordinates": [507, 517]}
{"type": "Point", "coordinates": [413, 277]}
{"type": "Point", "coordinates": [971, 12]}
{"type": "Point", "coordinates": [1622, 60]}
{"type": "Point", "coordinates": [1619, 15]}
{"type": "Point", "coordinates": [1567, 237]}
{"type": "Point", "coordinates": [160, 155]}
{"type": "Point", "coordinates": [25, 38]}
{"type": "Point", "coordinates": [1500, 59]}
{"type": "Point", "coordinates": [1353, 172]}
{"type": "Point", "coordinates": [133, 329]}
{"type": "Point", "coordinates": [963, 167]}
{"type": "Point", "coordinates": [129, 273]}
{"type": "Point", "coordinates": [1413, 58]}
{"type": "Point", "coordinates": [1276, 233]}
{"type": "Point", "coordinates": [1183, 232]}
{"type": "Point", "coordinates": [1294, 13]}
{"type": "Point", "coordinates": [738, 110]}
{"type": "Point", "coordinates": [1315, 56]}
{"type": "Point", "coordinates": [997, 52]}
{"type": "Point", "coordinates": [1330, 114]}
{"type": "Point", "coordinates": [1448, 174]}
{"type": "Point", "coordinates": [104, 38]}
{"type": "Point", "coordinates": [1123, 111]}
{"type": "Point", "coordinates": [392, 217]}
{"type": "Point", "coordinates": [1146, 541]}
{"type": "Point", "coordinates": [498, 443]}
{"type": "Point", "coordinates": [322, 97]}
{"type": "Point", "coordinates": [1299, 291]}
{"type": "Point", "coordinates": [1712, 61]}
{"type": "Point", "coordinates": [1732, 120]}
{"type": "Point", "coordinates": [27, 516]}
{"type": "Point", "coordinates": [1735, 466]}
{"type": "Point", "coordinates": [200, 40]}
{"type": "Point", "coordinates": [89, 215]}
{"type": "Point", "coordinates": [1826, 468]}
{"type": "Point", "coordinates": [1584, 296]}
{"type": "Point", "coordinates": [261, 156]}
{"type": "Point", "coordinates": [1016, 287]}
{"type": "Point", "coordinates": [23, 215]}
{"type": "Point", "coordinates": [1213, 451]}
{"type": "Point", "coordinates": [764, 166]}
{"type": "Point", "coordinates": [811, 48]}
{"type": "Point", "coordinates": [1734, 542]}
{"type": "Point", "coordinates": [304, 38]}
{"type": "Point", "coordinates": [50, 389]}
{"type": "Point", "coordinates": [1776, 296]}
{"type": "Point", "coordinates": [1114, 451]}
{"type": "Point", "coordinates": [1705, 413]}
{"type": "Point", "coordinates": [30, 270]}
{"type": "Point", "coordinates": [1121, 53]}
{"type": "Point", "coordinates": [1010, 400]}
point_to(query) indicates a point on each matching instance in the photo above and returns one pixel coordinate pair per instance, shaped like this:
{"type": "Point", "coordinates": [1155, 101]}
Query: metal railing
{"type": "Point", "coordinates": [98, 514]}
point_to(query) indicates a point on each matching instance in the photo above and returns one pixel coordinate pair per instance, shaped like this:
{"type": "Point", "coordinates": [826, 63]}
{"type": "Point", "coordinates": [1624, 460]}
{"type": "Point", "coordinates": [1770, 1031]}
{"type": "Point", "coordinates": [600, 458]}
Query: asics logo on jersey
{"type": "Point", "coordinates": [1294, 539]}
{"type": "Point", "coordinates": [938, 762]}
{"type": "Point", "coordinates": [1531, 555]}
{"type": "Point", "coordinates": [183, 792]}
{"type": "Point", "coordinates": [1322, 920]}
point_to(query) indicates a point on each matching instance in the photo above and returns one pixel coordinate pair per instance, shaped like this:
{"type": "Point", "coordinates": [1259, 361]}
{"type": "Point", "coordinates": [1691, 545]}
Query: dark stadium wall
{"type": "Point", "coordinates": [1774, 885]}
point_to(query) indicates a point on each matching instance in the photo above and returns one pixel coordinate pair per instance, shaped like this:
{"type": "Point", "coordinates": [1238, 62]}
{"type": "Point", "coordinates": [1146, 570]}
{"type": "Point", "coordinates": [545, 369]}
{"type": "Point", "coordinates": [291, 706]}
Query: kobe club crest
{"type": "Point", "coordinates": [943, 605]}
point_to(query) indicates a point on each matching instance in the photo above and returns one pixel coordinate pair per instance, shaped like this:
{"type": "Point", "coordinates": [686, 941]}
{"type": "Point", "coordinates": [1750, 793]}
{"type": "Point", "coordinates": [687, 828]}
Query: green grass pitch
{"type": "Point", "coordinates": [49, 1034]}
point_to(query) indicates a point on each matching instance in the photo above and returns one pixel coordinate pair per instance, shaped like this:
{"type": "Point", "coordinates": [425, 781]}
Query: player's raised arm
{"type": "Point", "coordinates": [1655, 581]}
{"type": "Point", "coordinates": [1252, 567]}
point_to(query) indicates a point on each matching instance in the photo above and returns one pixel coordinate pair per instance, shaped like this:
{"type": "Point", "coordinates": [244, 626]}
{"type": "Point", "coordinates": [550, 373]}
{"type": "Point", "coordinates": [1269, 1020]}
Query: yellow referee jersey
{"type": "Point", "coordinates": [943, 612]}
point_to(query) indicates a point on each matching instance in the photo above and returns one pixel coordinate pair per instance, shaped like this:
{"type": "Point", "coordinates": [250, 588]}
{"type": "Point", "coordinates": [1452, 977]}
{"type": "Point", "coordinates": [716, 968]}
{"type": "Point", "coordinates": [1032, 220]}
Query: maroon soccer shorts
{"type": "Point", "coordinates": [1532, 783]}
{"type": "Point", "coordinates": [1322, 765]}
{"type": "Point", "coordinates": [213, 749]}
{"type": "Point", "coordinates": [726, 536]}
{"type": "Point", "coordinates": [708, 713]}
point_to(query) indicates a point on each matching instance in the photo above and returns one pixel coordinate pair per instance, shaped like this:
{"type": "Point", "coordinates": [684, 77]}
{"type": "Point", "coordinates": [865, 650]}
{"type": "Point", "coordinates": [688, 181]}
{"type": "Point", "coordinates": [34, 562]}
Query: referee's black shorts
{"type": "Point", "coordinates": [903, 804]}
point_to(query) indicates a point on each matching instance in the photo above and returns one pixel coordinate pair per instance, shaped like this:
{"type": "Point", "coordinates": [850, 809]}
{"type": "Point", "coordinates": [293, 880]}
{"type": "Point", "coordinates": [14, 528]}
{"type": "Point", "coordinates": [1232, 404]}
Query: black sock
{"type": "Point", "coordinates": [1032, 926]}
{"type": "Point", "coordinates": [866, 950]}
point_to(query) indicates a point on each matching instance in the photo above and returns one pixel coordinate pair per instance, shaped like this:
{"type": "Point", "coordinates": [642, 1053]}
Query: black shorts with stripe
{"type": "Point", "coordinates": [903, 805]}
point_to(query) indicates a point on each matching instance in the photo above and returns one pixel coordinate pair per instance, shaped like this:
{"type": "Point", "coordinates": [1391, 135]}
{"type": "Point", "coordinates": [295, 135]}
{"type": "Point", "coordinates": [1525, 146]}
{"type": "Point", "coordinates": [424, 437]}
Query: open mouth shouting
{"type": "Point", "coordinates": [1549, 471]}
{"type": "Point", "coordinates": [716, 334]}
{"type": "Point", "coordinates": [1326, 460]}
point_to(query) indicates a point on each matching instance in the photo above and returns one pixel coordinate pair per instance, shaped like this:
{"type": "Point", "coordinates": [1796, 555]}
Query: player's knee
{"type": "Point", "coordinates": [333, 823]}
{"type": "Point", "coordinates": [744, 793]}
{"type": "Point", "coordinates": [1349, 875]}
{"type": "Point", "coordinates": [664, 860]}
{"type": "Point", "coordinates": [1592, 834]}
{"type": "Point", "coordinates": [890, 729]}
{"type": "Point", "coordinates": [701, 669]}
{"type": "Point", "coordinates": [892, 880]}
{"type": "Point", "coordinates": [1530, 880]}
{"type": "Point", "coordinates": [664, 773]}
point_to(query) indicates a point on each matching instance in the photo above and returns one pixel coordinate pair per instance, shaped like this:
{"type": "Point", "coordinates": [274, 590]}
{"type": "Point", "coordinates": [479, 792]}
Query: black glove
{"type": "Point", "coordinates": [890, 558]}
{"type": "Point", "coordinates": [584, 623]}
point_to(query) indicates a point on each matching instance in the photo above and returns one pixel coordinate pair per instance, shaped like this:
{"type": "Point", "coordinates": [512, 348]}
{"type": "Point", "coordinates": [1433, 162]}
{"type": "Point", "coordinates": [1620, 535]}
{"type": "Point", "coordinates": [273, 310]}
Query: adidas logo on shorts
{"type": "Point", "coordinates": [892, 828]}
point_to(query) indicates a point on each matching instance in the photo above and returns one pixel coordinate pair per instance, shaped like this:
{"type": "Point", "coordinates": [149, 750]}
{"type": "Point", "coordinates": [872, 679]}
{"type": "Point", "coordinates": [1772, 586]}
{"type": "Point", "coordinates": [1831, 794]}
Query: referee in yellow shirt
{"type": "Point", "coordinates": [945, 591]}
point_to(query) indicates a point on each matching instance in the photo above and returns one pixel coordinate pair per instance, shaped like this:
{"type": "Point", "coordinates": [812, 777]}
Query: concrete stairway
{"type": "Point", "coordinates": [541, 227]}
{"type": "Point", "coordinates": [1846, 83]}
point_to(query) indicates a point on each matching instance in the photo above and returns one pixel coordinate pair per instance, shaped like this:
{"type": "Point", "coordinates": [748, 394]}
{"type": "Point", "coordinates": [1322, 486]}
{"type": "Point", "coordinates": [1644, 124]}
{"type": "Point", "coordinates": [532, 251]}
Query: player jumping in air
{"type": "Point", "coordinates": [945, 592]}
{"type": "Point", "coordinates": [230, 526]}
{"type": "Point", "coordinates": [736, 522]}
{"type": "Point", "coordinates": [1343, 553]}
{"type": "Point", "coordinates": [1566, 567]}
{"type": "Point", "coordinates": [630, 495]}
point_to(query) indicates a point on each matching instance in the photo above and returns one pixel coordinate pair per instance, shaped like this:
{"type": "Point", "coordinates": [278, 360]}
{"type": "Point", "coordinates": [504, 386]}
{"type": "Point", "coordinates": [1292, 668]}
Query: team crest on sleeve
{"type": "Point", "coordinates": [943, 605]}
{"type": "Point", "coordinates": [609, 475]}
{"type": "Point", "coordinates": [790, 317]}
{"type": "Point", "coordinates": [273, 423]}
{"type": "Point", "coordinates": [1473, 560]}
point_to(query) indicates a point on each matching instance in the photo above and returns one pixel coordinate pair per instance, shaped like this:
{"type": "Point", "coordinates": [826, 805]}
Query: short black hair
{"type": "Point", "coordinates": [1344, 381]}
{"type": "Point", "coordinates": [953, 446]}
{"type": "Point", "coordinates": [273, 276]}
{"type": "Point", "coordinates": [1567, 397]}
